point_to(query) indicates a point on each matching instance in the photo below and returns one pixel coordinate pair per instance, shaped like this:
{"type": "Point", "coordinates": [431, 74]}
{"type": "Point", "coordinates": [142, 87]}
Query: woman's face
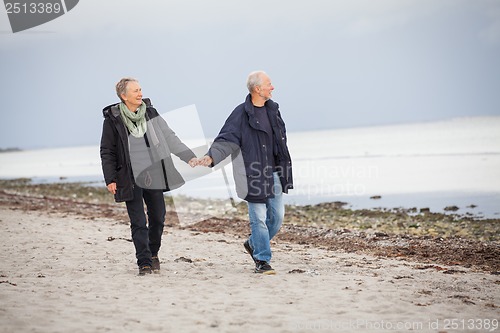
{"type": "Point", "coordinates": [133, 95]}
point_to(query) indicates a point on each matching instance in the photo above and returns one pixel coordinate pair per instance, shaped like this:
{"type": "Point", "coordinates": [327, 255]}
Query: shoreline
{"type": "Point", "coordinates": [431, 238]}
{"type": "Point", "coordinates": [477, 205]}
{"type": "Point", "coordinates": [68, 265]}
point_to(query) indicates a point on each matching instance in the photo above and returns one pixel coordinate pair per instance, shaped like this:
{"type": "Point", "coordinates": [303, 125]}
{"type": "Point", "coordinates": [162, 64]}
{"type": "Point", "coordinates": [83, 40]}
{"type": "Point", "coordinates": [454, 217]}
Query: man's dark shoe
{"type": "Point", "coordinates": [143, 270]}
{"type": "Point", "coordinates": [155, 265]}
{"type": "Point", "coordinates": [249, 250]}
{"type": "Point", "coordinates": [263, 267]}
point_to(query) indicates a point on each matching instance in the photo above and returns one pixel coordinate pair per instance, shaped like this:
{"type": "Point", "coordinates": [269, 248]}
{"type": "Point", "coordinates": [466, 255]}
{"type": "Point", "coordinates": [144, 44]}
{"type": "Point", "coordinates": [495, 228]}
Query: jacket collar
{"type": "Point", "coordinates": [249, 108]}
{"type": "Point", "coordinates": [114, 110]}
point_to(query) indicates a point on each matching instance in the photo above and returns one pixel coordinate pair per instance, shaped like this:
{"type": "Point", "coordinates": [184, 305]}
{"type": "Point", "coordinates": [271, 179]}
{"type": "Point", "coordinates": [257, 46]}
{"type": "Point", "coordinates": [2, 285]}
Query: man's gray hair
{"type": "Point", "coordinates": [254, 80]}
{"type": "Point", "coordinates": [121, 86]}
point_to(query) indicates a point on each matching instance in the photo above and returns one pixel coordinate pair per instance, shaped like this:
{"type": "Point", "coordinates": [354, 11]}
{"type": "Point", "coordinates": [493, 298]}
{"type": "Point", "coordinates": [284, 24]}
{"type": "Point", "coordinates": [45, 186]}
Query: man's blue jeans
{"type": "Point", "coordinates": [265, 222]}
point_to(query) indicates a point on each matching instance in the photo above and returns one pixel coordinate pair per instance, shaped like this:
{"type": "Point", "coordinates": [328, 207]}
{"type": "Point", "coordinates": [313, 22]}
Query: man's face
{"type": "Point", "coordinates": [265, 90]}
{"type": "Point", "coordinates": [133, 95]}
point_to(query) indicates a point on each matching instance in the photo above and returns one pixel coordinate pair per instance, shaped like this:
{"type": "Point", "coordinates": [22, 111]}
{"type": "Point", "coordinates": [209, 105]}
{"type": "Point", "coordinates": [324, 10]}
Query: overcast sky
{"type": "Point", "coordinates": [334, 64]}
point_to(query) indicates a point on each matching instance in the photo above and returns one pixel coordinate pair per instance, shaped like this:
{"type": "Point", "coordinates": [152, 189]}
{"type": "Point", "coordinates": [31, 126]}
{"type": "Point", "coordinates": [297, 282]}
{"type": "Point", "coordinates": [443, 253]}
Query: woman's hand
{"type": "Point", "coordinates": [193, 162]}
{"type": "Point", "coordinates": [112, 187]}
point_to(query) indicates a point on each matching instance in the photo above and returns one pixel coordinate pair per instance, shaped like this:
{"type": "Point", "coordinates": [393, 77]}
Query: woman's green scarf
{"type": "Point", "coordinates": [135, 121]}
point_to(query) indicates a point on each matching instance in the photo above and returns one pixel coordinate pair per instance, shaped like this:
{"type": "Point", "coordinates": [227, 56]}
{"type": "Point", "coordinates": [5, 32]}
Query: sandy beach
{"type": "Point", "coordinates": [66, 272]}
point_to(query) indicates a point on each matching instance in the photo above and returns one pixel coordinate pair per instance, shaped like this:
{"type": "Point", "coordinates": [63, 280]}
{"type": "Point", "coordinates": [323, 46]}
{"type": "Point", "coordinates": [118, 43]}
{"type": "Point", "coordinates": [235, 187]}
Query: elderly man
{"type": "Point", "coordinates": [256, 133]}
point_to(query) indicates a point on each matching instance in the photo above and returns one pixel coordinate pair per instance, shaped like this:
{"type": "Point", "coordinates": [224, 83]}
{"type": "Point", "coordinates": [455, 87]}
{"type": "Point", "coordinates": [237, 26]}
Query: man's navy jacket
{"type": "Point", "coordinates": [255, 153]}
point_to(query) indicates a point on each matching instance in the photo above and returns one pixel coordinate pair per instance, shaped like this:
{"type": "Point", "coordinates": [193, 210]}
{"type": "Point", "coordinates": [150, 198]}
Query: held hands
{"type": "Point", "coordinates": [204, 161]}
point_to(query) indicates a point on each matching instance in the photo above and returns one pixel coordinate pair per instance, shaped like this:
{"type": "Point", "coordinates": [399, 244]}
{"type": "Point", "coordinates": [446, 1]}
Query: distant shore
{"type": "Point", "coordinates": [9, 150]}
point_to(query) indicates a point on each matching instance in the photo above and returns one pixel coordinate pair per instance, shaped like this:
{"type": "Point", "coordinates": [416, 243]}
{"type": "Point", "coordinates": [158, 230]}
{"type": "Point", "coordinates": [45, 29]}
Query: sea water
{"type": "Point", "coordinates": [422, 165]}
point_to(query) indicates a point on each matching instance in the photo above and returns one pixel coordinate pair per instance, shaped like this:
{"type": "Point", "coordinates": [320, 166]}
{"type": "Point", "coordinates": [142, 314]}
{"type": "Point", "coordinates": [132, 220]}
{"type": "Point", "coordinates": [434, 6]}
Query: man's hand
{"type": "Point", "coordinates": [112, 187]}
{"type": "Point", "coordinates": [205, 161]}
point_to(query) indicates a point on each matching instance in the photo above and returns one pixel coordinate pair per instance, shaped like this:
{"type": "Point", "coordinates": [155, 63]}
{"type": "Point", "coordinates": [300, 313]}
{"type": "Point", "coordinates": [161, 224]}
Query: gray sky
{"type": "Point", "coordinates": [334, 64]}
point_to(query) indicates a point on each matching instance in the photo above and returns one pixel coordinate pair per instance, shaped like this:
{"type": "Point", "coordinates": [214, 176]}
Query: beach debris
{"type": "Point", "coordinates": [184, 259]}
{"type": "Point", "coordinates": [423, 304]}
{"type": "Point", "coordinates": [464, 298]}
{"type": "Point", "coordinates": [8, 282]}
{"type": "Point", "coordinates": [312, 272]}
{"type": "Point", "coordinates": [339, 204]}
{"type": "Point", "coordinates": [438, 268]}
{"type": "Point", "coordinates": [111, 238]}
{"type": "Point", "coordinates": [453, 271]}
{"type": "Point", "coordinates": [301, 271]}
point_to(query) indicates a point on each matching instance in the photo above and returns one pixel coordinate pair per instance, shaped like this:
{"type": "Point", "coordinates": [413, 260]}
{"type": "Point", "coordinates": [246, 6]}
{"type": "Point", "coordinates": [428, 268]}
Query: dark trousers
{"type": "Point", "coordinates": [146, 234]}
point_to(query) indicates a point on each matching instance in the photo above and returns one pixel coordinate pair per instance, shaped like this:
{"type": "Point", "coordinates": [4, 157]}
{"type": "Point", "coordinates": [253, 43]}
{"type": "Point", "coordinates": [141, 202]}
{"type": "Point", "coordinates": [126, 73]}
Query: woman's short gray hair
{"type": "Point", "coordinates": [121, 86]}
{"type": "Point", "coordinates": [254, 80]}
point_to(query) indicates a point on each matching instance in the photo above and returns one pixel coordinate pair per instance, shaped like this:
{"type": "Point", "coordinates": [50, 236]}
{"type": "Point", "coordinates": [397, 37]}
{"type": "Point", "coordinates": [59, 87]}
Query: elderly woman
{"type": "Point", "coordinates": [136, 144]}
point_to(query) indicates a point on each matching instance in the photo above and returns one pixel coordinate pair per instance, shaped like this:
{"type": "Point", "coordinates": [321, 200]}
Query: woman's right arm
{"type": "Point", "coordinates": [108, 154]}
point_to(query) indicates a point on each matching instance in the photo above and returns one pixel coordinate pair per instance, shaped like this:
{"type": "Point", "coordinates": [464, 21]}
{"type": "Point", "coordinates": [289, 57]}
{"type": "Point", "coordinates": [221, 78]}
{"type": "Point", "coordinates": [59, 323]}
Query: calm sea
{"type": "Point", "coordinates": [426, 165]}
